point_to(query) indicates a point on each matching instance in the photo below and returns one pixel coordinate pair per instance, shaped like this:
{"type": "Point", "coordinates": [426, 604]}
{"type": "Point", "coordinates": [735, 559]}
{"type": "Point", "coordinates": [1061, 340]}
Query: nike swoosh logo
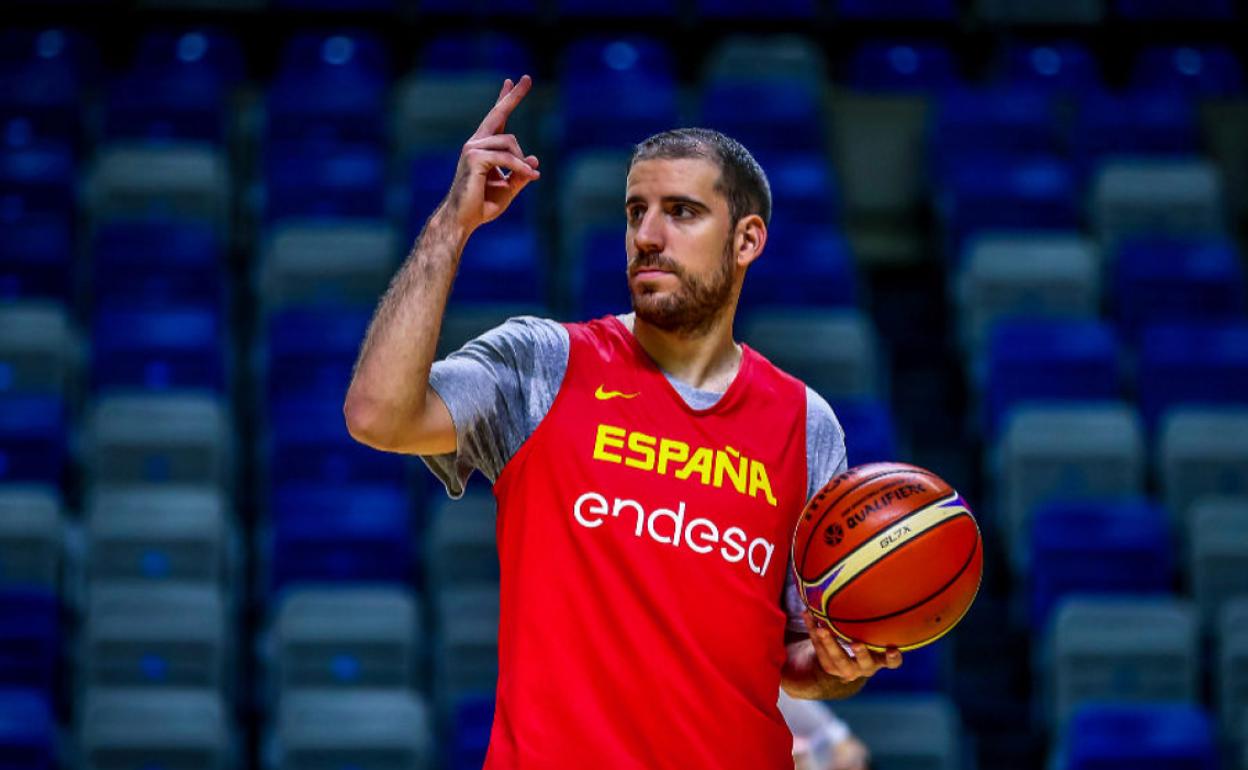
{"type": "Point", "coordinates": [603, 395]}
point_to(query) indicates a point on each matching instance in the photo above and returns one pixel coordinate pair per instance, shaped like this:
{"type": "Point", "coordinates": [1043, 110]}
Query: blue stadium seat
{"type": "Point", "coordinates": [1139, 736]}
{"type": "Point", "coordinates": [308, 442]}
{"type": "Point", "coordinates": [616, 91]}
{"type": "Point", "coordinates": [897, 10]}
{"type": "Point", "coordinates": [1133, 123]}
{"type": "Point", "coordinates": [1172, 279]}
{"type": "Point", "coordinates": [43, 73]}
{"type": "Point", "coordinates": [1193, 362]}
{"type": "Point", "coordinates": [1208, 70]}
{"type": "Point", "coordinates": [925, 670]}
{"type": "Point", "coordinates": [1175, 10]}
{"type": "Point", "coordinates": [1123, 546]}
{"type": "Point", "coordinates": [1007, 120]}
{"type": "Point", "coordinates": [27, 730]}
{"type": "Point", "coordinates": [158, 262]}
{"type": "Point", "coordinates": [471, 722]}
{"type": "Point", "coordinates": [39, 177]}
{"type": "Point", "coordinates": [30, 639]}
{"type": "Point", "coordinates": [495, 51]}
{"type": "Point", "coordinates": [312, 350]}
{"type": "Point", "coordinates": [67, 50]}
{"type": "Point", "coordinates": [36, 256]}
{"type": "Point", "coordinates": [166, 105]}
{"type": "Point", "coordinates": [333, 180]}
{"type": "Point", "coordinates": [1061, 66]}
{"type": "Point", "coordinates": [594, 9]}
{"type": "Point", "coordinates": [501, 263]}
{"type": "Point", "coordinates": [430, 175]}
{"type": "Point", "coordinates": [33, 438]}
{"type": "Point", "coordinates": [212, 50]}
{"type": "Point", "coordinates": [325, 533]}
{"type": "Point", "coordinates": [330, 87]}
{"type": "Point", "coordinates": [896, 65]}
{"type": "Point", "coordinates": [747, 9]}
{"type": "Point", "coordinates": [995, 191]}
{"type": "Point", "coordinates": [482, 9]}
{"type": "Point", "coordinates": [809, 265]}
{"type": "Point", "coordinates": [177, 88]}
{"type": "Point", "coordinates": [870, 432]}
{"type": "Point", "coordinates": [804, 190]}
{"type": "Point", "coordinates": [158, 349]}
{"type": "Point", "coordinates": [599, 282]}
{"type": "Point", "coordinates": [771, 115]}
{"type": "Point", "coordinates": [1052, 359]}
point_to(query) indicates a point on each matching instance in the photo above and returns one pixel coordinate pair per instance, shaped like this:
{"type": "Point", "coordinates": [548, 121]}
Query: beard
{"type": "Point", "coordinates": [692, 309]}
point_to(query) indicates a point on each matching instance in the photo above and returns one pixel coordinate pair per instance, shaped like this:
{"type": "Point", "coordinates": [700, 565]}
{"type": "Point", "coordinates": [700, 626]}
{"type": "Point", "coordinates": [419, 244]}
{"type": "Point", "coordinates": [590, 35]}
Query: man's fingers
{"type": "Point", "coordinates": [483, 161]}
{"type": "Point", "coordinates": [496, 120]}
{"type": "Point", "coordinates": [507, 142]}
{"type": "Point", "coordinates": [892, 658]}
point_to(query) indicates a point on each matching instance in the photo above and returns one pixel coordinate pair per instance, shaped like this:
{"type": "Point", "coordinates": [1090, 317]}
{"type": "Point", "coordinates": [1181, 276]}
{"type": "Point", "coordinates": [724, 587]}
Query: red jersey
{"type": "Point", "coordinates": [643, 548]}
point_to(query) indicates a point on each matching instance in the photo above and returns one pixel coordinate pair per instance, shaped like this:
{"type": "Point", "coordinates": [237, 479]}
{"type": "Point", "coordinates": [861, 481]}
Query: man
{"type": "Point", "coordinates": [648, 470]}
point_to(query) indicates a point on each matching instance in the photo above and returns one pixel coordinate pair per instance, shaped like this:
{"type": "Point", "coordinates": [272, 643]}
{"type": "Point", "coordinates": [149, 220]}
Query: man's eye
{"type": "Point", "coordinates": [633, 214]}
{"type": "Point", "coordinates": [682, 210]}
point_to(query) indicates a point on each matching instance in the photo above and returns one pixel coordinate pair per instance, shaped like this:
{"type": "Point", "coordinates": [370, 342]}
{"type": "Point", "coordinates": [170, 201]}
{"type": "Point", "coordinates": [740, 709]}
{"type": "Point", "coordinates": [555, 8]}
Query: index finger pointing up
{"type": "Point", "coordinates": [496, 120]}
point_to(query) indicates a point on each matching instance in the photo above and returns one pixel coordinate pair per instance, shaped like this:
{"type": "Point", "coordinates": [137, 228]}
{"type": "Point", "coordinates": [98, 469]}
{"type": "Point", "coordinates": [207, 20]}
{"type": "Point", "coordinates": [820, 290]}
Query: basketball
{"type": "Point", "coordinates": [888, 554]}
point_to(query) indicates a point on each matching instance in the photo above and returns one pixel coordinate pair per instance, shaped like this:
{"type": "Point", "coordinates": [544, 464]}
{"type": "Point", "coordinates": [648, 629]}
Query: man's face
{"type": "Point", "coordinates": [680, 244]}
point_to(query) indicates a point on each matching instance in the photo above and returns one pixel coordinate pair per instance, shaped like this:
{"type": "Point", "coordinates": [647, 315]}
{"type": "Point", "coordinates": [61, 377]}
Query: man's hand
{"type": "Point", "coordinates": [836, 662]}
{"type": "Point", "coordinates": [482, 189]}
{"type": "Point", "coordinates": [820, 668]}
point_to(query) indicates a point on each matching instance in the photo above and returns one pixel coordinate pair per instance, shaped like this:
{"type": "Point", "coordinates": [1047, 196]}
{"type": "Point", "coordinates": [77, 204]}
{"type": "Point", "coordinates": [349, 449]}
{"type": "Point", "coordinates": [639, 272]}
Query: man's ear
{"type": "Point", "coordinates": [749, 239]}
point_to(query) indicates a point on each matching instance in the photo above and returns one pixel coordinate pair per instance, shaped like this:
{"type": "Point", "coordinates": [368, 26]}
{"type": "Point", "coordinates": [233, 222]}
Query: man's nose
{"type": "Point", "coordinates": [649, 233]}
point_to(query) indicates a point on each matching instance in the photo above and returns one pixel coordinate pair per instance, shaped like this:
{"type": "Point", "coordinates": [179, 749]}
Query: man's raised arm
{"type": "Point", "coordinates": [389, 405]}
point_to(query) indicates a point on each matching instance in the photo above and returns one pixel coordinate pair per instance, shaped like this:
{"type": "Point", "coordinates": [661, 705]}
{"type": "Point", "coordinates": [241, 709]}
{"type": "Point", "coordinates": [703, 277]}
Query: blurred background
{"type": "Point", "coordinates": [1007, 246]}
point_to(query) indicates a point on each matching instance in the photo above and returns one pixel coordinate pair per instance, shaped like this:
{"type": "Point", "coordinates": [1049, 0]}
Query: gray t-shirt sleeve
{"type": "Point", "coordinates": [497, 387]}
{"type": "Point", "coordinates": [825, 458]}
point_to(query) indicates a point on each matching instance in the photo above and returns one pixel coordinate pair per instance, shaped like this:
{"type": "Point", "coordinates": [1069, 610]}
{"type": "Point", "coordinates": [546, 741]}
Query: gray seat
{"type": "Point", "coordinates": [375, 729]}
{"type": "Point", "coordinates": [159, 438]}
{"type": "Point", "coordinates": [1071, 450]}
{"type": "Point", "coordinates": [465, 642]}
{"type": "Point", "coordinates": [182, 180]}
{"type": "Point", "coordinates": [1024, 273]}
{"type": "Point", "coordinates": [443, 109]}
{"type": "Point", "coordinates": [1231, 680]}
{"type": "Point", "coordinates": [1048, 12]}
{"type": "Point", "coordinates": [1218, 548]}
{"type": "Point", "coordinates": [832, 351]}
{"type": "Point", "coordinates": [591, 195]}
{"type": "Point", "coordinates": [32, 533]}
{"type": "Point", "coordinates": [747, 57]}
{"type": "Point", "coordinates": [465, 321]}
{"type": "Point", "coordinates": [930, 738]}
{"type": "Point", "coordinates": [159, 532]}
{"type": "Point", "coordinates": [879, 150]}
{"type": "Point", "coordinates": [38, 346]}
{"type": "Point", "coordinates": [1123, 649]}
{"type": "Point", "coordinates": [1155, 196]}
{"type": "Point", "coordinates": [335, 261]}
{"type": "Point", "coordinates": [156, 635]}
{"type": "Point", "coordinates": [462, 549]}
{"type": "Point", "coordinates": [175, 729]}
{"type": "Point", "coordinates": [347, 636]}
{"type": "Point", "coordinates": [1202, 451]}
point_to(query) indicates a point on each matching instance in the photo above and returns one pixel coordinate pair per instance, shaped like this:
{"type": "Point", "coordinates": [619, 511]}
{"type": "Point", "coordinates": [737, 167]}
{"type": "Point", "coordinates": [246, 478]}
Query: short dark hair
{"type": "Point", "coordinates": [741, 179]}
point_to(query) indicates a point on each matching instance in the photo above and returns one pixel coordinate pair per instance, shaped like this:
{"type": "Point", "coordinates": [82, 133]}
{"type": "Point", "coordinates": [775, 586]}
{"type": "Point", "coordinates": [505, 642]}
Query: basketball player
{"type": "Point", "coordinates": [649, 472]}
